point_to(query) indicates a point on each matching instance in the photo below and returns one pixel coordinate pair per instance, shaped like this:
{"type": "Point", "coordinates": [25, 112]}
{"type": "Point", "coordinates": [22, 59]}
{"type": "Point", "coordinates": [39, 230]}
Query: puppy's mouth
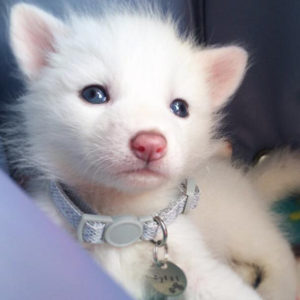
{"type": "Point", "coordinates": [146, 172]}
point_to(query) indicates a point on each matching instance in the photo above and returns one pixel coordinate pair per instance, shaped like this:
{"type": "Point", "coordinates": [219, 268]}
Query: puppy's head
{"type": "Point", "coordinates": [122, 100]}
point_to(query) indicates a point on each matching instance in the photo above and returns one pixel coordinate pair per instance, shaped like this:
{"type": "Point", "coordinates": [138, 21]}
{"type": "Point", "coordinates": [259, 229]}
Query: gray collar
{"type": "Point", "coordinates": [119, 231]}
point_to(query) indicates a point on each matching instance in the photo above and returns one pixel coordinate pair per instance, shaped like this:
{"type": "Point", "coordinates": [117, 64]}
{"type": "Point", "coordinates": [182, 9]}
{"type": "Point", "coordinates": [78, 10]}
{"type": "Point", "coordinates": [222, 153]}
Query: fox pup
{"type": "Point", "coordinates": [121, 109]}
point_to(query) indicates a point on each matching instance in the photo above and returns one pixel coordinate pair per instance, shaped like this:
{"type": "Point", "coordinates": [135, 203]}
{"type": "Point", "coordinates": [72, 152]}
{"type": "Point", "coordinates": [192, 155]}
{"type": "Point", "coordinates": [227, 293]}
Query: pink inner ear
{"type": "Point", "coordinates": [32, 36]}
{"type": "Point", "coordinates": [222, 74]}
{"type": "Point", "coordinates": [225, 67]}
{"type": "Point", "coordinates": [40, 43]}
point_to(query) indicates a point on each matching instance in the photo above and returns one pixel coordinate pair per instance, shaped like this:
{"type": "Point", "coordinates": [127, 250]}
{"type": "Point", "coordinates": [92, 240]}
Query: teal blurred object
{"type": "Point", "coordinates": [289, 211]}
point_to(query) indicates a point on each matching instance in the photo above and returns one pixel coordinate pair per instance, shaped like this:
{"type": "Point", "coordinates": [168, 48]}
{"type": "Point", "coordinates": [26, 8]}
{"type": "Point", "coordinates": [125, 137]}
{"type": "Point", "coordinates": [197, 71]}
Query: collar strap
{"type": "Point", "coordinates": [119, 231]}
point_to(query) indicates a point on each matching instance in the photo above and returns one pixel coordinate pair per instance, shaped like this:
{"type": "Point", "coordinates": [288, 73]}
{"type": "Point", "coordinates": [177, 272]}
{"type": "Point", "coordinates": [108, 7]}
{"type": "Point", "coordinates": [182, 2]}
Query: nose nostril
{"type": "Point", "coordinates": [141, 149]}
{"type": "Point", "coordinates": [159, 150]}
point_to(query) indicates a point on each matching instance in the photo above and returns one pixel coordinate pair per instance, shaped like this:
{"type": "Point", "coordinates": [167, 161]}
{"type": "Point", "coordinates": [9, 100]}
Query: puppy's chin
{"type": "Point", "coordinates": [129, 182]}
{"type": "Point", "coordinates": [139, 181]}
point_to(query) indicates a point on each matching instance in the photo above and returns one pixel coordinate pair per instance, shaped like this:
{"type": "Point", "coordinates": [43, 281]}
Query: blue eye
{"type": "Point", "coordinates": [95, 94]}
{"type": "Point", "coordinates": [180, 108]}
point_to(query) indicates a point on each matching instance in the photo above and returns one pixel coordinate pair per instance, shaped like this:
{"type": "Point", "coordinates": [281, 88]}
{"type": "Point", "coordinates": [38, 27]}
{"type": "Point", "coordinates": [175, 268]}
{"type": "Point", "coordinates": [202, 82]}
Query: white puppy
{"type": "Point", "coordinates": [121, 109]}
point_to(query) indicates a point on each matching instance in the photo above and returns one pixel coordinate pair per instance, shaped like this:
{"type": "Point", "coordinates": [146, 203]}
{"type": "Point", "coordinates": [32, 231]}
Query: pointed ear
{"type": "Point", "coordinates": [225, 68]}
{"type": "Point", "coordinates": [32, 37]}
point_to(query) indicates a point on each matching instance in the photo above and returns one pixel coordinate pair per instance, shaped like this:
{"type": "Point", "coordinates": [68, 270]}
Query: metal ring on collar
{"type": "Point", "coordinates": [160, 262]}
{"type": "Point", "coordinates": [163, 226]}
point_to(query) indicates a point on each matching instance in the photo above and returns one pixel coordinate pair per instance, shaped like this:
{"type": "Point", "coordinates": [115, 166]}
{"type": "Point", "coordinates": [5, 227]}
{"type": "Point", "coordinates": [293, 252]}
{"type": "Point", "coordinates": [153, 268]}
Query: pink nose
{"type": "Point", "coordinates": [149, 146]}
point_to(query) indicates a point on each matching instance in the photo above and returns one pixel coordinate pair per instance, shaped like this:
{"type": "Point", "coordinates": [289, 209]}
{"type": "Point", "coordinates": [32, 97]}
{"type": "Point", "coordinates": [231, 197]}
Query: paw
{"type": "Point", "coordinates": [223, 289]}
{"type": "Point", "coordinates": [251, 273]}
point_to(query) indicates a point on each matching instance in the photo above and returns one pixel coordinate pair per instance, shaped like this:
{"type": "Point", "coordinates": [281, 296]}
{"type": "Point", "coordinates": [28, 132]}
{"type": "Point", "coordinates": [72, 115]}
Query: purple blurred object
{"type": "Point", "coordinates": [38, 260]}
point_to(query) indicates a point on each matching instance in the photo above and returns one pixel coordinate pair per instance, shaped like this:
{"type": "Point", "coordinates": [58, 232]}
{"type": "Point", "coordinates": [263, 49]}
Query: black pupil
{"type": "Point", "coordinates": [95, 95]}
{"type": "Point", "coordinates": [180, 108]}
{"type": "Point", "coordinates": [92, 93]}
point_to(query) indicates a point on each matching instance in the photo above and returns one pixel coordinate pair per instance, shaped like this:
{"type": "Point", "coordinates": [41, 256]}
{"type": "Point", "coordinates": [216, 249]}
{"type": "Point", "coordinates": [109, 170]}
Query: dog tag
{"type": "Point", "coordinates": [167, 280]}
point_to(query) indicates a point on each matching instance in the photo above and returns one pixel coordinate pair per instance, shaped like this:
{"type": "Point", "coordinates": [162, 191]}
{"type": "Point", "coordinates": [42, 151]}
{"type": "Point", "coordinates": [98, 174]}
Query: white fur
{"type": "Point", "coordinates": [236, 225]}
{"type": "Point", "coordinates": [144, 65]}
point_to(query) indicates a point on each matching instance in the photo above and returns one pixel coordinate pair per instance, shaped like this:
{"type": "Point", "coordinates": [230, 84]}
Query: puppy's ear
{"type": "Point", "coordinates": [224, 70]}
{"type": "Point", "coordinates": [32, 37]}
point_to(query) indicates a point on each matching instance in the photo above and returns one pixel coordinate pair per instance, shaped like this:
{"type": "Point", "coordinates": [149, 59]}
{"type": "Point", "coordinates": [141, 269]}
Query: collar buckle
{"type": "Point", "coordinates": [90, 222]}
{"type": "Point", "coordinates": [119, 231]}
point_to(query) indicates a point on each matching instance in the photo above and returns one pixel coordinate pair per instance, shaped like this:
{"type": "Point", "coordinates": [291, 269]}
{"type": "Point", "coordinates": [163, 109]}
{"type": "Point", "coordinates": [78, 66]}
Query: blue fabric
{"type": "Point", "coordinates": [38, 260]}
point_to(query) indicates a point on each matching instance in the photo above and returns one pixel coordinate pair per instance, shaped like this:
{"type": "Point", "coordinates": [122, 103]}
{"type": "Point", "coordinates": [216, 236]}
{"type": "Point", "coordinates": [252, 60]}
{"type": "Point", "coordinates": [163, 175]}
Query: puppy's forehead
{"type": "Point", "coordinates": [141, 45]}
